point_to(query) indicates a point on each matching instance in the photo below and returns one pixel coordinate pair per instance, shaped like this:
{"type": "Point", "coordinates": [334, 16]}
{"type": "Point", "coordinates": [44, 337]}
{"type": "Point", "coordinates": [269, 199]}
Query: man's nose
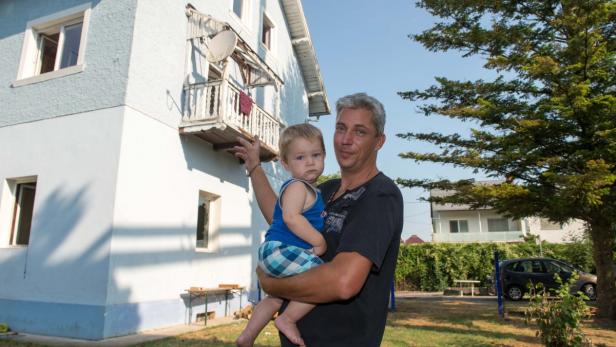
{"type": "Point", "coordinates": [347, 137]}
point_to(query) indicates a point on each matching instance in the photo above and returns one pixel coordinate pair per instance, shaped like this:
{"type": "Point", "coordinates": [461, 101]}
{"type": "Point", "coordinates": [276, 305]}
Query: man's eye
{"type": "Point", "coordinates": [360, 132]}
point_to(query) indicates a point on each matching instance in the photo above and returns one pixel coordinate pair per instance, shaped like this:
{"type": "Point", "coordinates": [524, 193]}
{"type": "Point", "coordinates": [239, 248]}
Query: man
{"type": "Point", "coordinates": [363, 223]}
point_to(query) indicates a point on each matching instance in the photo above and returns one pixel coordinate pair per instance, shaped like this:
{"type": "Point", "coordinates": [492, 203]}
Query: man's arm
{"type": "Point", "coordinates": [340, 279]}
{"type": "Point", "coordinates": [266, 198]}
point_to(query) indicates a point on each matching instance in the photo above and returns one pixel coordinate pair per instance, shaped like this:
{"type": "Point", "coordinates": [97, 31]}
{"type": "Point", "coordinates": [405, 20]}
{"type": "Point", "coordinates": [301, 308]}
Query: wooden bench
{"type": "Point", "coordinates": [462, 283]}
{"type": "Point", "coordinates": [197, 292]}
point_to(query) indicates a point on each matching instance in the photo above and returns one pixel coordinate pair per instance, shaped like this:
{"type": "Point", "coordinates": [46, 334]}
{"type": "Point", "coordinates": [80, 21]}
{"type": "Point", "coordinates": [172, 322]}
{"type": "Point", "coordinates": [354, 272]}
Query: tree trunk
{"type": "Point", "coordinates": [602, 250]}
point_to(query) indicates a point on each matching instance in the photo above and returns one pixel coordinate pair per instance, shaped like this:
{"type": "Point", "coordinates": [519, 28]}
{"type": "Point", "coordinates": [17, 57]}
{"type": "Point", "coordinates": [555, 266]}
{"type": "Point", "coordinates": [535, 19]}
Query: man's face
{"type": "Point", "coordinates": [356, 142]}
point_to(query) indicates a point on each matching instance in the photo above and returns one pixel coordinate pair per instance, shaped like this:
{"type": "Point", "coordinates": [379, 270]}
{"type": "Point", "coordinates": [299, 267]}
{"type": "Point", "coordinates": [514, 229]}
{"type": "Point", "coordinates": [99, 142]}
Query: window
{"type": "Point", "coordinates": [266, 32]}
{"type": "Point", "coordinates": [54, 46]}
{"type": "Point", "coordinates": [458, 226]}
{"type": "Point", "coordinates": [238, 7]}
{"type": "Point", "coordinates": [498, 224]}
{"type": "Point", "coordinates": [531, 266]}
{"type": "Point", "coordinates": [556, 267]}
{"type": "Point", "coordinates": [207, 221]}
{"type": "Point", "coordinates": [546, 224]}
{"type": "Point", "coordinates": [16, 210]}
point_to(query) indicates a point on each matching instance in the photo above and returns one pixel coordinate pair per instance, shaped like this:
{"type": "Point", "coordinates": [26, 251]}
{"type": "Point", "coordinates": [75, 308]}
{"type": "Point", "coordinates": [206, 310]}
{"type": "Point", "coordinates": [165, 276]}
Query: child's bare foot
{"type": "Point", "coordinates": [289, 329]}
{"type": "Point", "coordinates": [245, 339]}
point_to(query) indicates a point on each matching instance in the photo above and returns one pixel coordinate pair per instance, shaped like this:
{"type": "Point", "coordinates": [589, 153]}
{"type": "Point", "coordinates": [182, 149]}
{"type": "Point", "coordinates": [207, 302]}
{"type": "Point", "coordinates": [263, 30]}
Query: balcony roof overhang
{"type": "Point", "coordinates": [255, 70]}
{"type": "Point", "coordinates": [318, 103]}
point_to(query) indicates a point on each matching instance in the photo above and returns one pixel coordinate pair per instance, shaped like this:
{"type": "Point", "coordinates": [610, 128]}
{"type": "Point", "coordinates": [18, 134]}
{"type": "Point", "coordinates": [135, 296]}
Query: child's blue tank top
{"type": "Point", "coordinates": [279, 231]}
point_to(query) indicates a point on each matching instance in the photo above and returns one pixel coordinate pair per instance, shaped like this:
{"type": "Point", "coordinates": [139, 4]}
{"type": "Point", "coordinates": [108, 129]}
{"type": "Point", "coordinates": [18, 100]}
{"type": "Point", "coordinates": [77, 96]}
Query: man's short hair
{"type": "Point", "coordinates": [366, 102]}
{"type": "Point", "coordinates": [303, 130]}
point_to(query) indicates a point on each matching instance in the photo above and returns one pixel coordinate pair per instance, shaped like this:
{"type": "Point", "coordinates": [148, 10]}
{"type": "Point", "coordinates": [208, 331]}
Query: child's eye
{"type": "Point", "coordinates": [317, 155]}
{"type": "Point", "coordinates": [299, 157]}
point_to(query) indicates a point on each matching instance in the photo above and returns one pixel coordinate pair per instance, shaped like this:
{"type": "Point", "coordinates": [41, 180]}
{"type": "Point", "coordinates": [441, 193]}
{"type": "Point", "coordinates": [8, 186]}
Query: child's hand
{"type": "Point", "coordinates": [320, 249]}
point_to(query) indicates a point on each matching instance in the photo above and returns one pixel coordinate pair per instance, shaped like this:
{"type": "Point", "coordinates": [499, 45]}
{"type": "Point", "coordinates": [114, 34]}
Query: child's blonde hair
{"type": "Point", "coordinates": [303, 130]}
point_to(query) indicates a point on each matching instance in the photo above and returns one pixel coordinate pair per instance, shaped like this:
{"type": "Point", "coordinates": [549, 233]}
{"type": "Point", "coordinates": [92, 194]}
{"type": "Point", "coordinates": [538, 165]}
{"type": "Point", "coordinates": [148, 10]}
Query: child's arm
{"type": "Point", "coordinates": [293, 202]}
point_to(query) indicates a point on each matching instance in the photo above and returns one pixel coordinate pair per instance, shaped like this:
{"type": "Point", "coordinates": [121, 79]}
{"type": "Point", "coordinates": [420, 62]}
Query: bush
{"type": "Point", "coordinates": [558, 320]}
{"type": "Point", "coordinates": [434, 266]}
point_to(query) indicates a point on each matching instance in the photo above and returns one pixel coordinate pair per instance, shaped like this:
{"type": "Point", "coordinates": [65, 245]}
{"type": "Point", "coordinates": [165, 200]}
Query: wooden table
{"type": "Point", "coordinates": [197, 292]}
{"type": "Point", "coordinates": [471, 282]}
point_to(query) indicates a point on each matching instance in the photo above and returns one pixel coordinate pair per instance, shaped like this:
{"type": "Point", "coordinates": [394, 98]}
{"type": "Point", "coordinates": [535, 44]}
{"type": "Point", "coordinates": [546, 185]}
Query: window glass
{"type": "Point", "coordinates": [24, 206]}
{"type": "Point", "coordinates": [48, 50]}
{"type": "Point", "coordinates": [458, 226]}
{"type": "Point", "coordinates": [70, 50]}
{"type": "Point", "coordinates": [266, 34]}
{"type": "Point", "coordinates": [498, 224]}
{"type": "Point", "coordinates": [203, 224]}
{"type": "Point", "coordinates": [237, 7]}
{"type": "Point", "coordinates": [555, 267]}
{"type": "Point", "coordinates": [463, 225]}
{"type": "Point", "coordinates": [530, 266]}
{"type": "Point", "coordinates": [453, 226]}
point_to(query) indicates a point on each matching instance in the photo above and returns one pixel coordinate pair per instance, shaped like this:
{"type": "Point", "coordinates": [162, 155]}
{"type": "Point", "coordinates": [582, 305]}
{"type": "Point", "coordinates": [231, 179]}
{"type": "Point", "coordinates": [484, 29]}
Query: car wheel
{"type": "Point", "coordinates": [590, 291]}
{"type": "Point", "coordinates": [515, 293]}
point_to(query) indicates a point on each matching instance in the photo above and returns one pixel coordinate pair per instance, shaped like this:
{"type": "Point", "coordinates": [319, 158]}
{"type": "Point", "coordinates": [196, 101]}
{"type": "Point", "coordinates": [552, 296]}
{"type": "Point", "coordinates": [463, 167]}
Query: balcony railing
{"type": "Point", "coordinates": [487, 236]}
{"type": "Point", "coordinates": [212, 112]}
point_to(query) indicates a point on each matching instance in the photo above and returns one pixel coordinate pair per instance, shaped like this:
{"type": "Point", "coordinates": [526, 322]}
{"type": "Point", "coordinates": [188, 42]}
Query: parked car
{"type": "Point", "coordinates": [516, 274]}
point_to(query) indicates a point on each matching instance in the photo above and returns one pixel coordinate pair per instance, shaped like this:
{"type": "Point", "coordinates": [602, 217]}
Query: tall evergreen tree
{"type": "Point", "coordinates": [546, 125]}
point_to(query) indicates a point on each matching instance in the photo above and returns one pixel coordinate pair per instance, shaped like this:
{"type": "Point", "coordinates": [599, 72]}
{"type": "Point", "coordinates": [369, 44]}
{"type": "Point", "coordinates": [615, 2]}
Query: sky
{"type": "Point", "coordinates": [363, 46]}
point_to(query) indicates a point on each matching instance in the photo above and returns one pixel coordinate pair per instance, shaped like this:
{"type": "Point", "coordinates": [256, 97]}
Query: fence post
{"type": "Point", "coordinates": [499, 287]}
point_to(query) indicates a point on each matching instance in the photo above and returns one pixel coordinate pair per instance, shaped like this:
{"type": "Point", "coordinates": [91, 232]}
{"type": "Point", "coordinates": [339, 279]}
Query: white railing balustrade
{"type": "Point", "coordinates": [202, 104]}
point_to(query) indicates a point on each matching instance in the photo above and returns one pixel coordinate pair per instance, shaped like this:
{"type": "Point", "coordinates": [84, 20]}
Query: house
{"type": "Point", "coordinates": [413, 239]}
{"type": "Point", "coordinates": [460, 223]}
{"type": "Point", "coordinates": [117, 190]}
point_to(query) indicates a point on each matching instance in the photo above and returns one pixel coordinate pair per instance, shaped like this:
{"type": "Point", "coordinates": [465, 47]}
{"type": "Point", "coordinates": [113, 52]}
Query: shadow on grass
{"type": "Point", "coordinates": [438, 318]}
{"type": "Point", "coordinates": [494, 335]}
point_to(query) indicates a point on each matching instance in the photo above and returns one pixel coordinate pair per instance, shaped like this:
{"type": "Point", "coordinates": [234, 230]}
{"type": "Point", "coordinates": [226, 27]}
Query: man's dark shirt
{"type": "Point", "coordinates": [367, 220]}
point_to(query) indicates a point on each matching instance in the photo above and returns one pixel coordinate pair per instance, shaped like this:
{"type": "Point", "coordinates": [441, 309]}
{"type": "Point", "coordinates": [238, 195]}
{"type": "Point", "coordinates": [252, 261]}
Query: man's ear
{"type": "Point", "coordinates": [380, 142]}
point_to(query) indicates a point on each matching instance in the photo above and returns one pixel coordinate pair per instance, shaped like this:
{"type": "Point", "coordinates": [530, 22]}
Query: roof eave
{"type": "Point", "coordinates": [309, 66]}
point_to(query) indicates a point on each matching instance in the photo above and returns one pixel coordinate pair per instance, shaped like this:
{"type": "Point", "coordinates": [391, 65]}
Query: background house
{"type": "Point", "coordinates": [460, 223]}
{"type": "Point", "coordinates": [116, 189]}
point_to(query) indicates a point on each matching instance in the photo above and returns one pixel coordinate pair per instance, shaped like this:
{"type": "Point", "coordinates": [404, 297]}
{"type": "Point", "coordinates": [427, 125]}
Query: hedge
{"type": "Point", "coordinates": [434, 266]}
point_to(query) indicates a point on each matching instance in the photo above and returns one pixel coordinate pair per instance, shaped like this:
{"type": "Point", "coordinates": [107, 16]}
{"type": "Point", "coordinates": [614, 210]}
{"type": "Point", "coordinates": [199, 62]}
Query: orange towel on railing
{"type": "Point", "coordinates": [245, 104]}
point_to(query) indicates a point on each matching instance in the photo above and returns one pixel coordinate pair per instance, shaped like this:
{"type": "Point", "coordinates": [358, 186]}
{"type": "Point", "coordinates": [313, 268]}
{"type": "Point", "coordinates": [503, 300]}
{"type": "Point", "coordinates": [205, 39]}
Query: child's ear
{"type": "Point", "coordinates": [284, 164]}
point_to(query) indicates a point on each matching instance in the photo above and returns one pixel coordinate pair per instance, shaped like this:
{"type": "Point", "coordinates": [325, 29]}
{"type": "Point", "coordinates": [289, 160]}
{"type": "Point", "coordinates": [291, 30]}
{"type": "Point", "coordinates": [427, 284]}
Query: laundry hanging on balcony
{"type": "Point", "coordinates": [255, 71]}
{"type": "Point", "coordinates": [245, 104]}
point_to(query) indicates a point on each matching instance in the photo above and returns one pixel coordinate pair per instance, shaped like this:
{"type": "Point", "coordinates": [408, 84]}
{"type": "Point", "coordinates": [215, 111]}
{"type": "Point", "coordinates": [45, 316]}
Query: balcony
{"type": "Point", "coordinates": [212, 113]}
{"type": "Point", "coordinates": [489, 236]}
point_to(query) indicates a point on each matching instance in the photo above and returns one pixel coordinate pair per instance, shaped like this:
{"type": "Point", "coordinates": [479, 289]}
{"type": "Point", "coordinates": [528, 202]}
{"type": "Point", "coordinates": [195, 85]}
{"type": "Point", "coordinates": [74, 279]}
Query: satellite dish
{"type": "Point", "coordinates": [221, 46]}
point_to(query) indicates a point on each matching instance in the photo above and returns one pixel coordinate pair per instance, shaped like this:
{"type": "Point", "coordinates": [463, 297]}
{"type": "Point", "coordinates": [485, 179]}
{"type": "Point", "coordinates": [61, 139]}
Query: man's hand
{"type": "Point", "coordinates": [249, 152]}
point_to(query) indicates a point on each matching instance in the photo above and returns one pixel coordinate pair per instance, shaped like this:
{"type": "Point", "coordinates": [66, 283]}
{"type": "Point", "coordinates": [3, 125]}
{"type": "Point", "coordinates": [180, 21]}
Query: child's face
{"type": "Point", "coordinates": [305, 159]}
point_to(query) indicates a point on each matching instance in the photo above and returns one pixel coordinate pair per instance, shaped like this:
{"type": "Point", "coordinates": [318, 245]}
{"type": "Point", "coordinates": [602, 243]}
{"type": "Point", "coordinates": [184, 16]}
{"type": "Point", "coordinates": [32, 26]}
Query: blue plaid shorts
{"type": "Point", "coordinates": [278, 259]}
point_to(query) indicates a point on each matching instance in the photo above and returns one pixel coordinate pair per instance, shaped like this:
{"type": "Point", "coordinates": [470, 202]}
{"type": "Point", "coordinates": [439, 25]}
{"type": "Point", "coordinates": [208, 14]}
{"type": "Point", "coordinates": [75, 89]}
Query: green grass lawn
{"type": "Point", "coordinates": [418, 322]}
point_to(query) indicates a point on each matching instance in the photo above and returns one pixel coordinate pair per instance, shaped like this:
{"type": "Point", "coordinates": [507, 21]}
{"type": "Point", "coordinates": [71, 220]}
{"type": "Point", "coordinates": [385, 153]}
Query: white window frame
{"type": "Point", "coordinates": [9, 212]}
{"type": "Point", "coordinates": [458, 223]}
{"type": "Point", "coordinates": [213, 221]}
{"type": "Point", "coordinates": [30, 51]}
